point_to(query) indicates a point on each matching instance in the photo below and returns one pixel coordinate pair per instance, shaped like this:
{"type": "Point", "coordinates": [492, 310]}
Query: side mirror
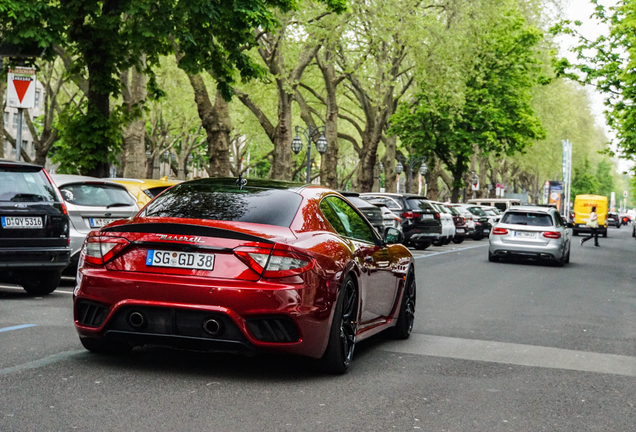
{"type": "Point", "coordinates": [393, 236]}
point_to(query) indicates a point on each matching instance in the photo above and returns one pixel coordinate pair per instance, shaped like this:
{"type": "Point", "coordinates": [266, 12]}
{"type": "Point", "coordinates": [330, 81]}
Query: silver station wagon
{"type": "Point", "coordinates": [531, 232]}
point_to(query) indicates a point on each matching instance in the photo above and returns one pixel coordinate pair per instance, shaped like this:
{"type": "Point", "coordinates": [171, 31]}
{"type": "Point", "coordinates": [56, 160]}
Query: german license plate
{"type": "Point", "coordinates": [22, 222]}
{"type": "Point", "coordinates": [100, 222]}
{"type": "Point", "coordinates": [427, 216]}
{"type": "Point", "coordinates": [486, 231]}
{"type": "Point", "coordinates": [188, 260]}
{"type": "Point", "coordinates": [522, 234]}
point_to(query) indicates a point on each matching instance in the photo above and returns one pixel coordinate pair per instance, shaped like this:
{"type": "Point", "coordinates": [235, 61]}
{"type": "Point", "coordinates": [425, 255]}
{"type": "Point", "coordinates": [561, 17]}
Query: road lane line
{"type": "Point", "coordinates": [21, 289]}
{"type": "Point", "coordinates": [450, 251]}
{"type": "Point", "coordinates": [517, 354]}
{"type": "Point", "coordinates": [18, 327]}
{"type": "Point", "coordinates": [43, 361]}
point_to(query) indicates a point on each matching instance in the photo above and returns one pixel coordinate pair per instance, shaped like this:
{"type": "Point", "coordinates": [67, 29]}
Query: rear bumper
{"type": "Point", "coordinates": [552, 251]}
{"type": "Point", "coordinates": [176, 308]}
{"type": "Point", "coordinates": [34, 258]}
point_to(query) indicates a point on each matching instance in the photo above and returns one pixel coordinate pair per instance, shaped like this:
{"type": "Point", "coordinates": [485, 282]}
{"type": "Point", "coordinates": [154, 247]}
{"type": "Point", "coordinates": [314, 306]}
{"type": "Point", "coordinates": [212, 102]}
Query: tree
{"type": "Point", "coordinates": [495, 115]}
{"type": "Point", "coordinates": [584, 181]}
{"type": "Point", "coordinates": [608, 63]}
{"type": "Point", "coordinates": [105, 38]}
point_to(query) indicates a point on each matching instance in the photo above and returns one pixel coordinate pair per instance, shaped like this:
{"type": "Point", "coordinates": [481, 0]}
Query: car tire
{"type": "Point", "coordinates": [448, 240]}
{"type": "Point", "coordinates": [102, 346]}
{"type": "Point", "coordinates": [492, 258]}
{"type": "Point", "coordinates": [421, 245]}
{"type": "Point", "coordinates": [342, 336]}
{"type": "Point", "coordinates": [437, 242]}
{"type": "Point", "coordinates": [478, 237]}
{"type": "Point", "coordinates": [458, 240]}
{"type": "Point", "coordinates": [40, 282]}
{"type": "Point", "coordinates": [404, 326]}
{"type": "Point", "coordinates": [567, 257]}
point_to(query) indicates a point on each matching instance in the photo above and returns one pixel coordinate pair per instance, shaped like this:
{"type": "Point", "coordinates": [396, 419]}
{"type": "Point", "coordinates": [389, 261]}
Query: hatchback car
{"type": "Point", "coordinates": [531, 232]}
{"type": "Point", "coordinates": [34, 234]}
{"type": "Point", "coordinates": [421, 223]}
{"type": "Point", "coordinates": [369, 210]}
{"type": "Point", "coordinates": [613, 220]}
{"type": "Point", "coordinates": [216, 264]}
{"type": "Point", "coordinates": [145, 190]}
{"type": "Point", "coordinates": [92, 203]}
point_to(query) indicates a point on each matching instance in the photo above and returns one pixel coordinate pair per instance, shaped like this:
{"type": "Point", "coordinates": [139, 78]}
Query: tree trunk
{"type": "Point", "coordinates": [3, 89]}
{"type": "Point", "coordinates": [388, 162]}
{"type": "Point", "coordinates": [217, 124]}
{"type": "Point", "coordinates": [99, 105]}
{"type": "Point", "coordinates": [134, 161]}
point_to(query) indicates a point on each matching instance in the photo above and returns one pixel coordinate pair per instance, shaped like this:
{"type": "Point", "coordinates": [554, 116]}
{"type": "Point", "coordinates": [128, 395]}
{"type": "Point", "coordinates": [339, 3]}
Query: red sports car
{"type": "Point", "coordinates": [225, 265]}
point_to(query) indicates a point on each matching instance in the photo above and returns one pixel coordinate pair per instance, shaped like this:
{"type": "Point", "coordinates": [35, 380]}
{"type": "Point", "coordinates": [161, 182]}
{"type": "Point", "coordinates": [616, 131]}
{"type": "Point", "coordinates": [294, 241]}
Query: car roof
{"type": "Point", "coordinates": [149, 183]}
{"type": "Point", "coordinates": [534, 209]}
{"type": "Point", "coordinates": [64, 179]}
{"type": "Point", "coordinates": [9, 164]}
{"type": "Point", "coordinates": [393, 195]}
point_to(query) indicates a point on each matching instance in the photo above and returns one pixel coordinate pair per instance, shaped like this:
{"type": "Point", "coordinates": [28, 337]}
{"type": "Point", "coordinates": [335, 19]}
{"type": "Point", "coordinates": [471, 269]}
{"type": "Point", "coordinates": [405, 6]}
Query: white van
{"type": "Point", "coordinates": [502, 204]}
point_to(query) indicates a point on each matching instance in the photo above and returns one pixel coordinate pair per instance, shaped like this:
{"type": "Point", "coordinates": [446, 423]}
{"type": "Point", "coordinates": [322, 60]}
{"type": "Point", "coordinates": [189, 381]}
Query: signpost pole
{"type": "Point", "coordinates": [18, 135]}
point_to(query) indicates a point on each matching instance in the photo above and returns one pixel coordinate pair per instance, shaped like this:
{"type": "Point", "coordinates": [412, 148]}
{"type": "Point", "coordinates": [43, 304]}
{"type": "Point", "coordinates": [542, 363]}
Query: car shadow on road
{"type": "Point", "coordinates": [209, 365]}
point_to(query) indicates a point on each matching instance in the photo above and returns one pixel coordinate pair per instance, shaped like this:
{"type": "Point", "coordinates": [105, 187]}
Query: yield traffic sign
{"type": "Point", "coordinates": [21, 87]}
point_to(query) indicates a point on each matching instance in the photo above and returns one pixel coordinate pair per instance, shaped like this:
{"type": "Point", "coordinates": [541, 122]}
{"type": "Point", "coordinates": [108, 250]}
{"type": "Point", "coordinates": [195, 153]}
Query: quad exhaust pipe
{"type": "Point", "coordinates": [212, 327]}
{"type": "Point", "coordinates": [137, 320]}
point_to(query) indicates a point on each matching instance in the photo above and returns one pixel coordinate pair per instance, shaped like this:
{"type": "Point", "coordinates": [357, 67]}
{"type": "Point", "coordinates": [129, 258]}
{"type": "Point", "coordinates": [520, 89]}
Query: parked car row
{"type": "Point", "coordinates": [46, 218]}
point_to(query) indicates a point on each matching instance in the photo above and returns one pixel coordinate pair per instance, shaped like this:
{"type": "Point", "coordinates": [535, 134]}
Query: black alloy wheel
{"type": "Point", "coordinates": [404, 326]}
{"type": "Point", "coordinates": [342, 338]}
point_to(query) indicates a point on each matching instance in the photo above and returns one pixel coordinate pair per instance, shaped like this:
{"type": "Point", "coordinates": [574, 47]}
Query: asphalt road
{"type": "Point", "coordinates": [496, 347]}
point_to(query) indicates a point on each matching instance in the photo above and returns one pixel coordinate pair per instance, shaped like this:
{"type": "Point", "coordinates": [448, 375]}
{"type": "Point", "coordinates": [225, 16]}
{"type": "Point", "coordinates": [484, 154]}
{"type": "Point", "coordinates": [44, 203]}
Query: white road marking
{"type": "Point", "coordinates": [43, 361]}
{"type": "Point", "coordinates": [445, 252]}
{"type": "Point", "coordinates": [12, 287]}
{"type": "Point", "coordinates": [517, 354]}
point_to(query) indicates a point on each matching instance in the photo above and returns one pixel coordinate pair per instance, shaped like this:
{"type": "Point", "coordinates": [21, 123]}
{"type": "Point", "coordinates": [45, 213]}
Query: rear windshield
{"type": "Point", "coordinates": [359, 202]}
{"type": "Point", "coordinates": [153, 192]}
{"type": "Point", "coordinates": [452, 211]}
{"type": "Point", "coordinates": [526, 218]}
{"type": "Point", "coordinates": [25, 186]}
{"type": "Point", "coordinates": [421, 205]}
{"type": "Point", "coordinates": [476, 211]}
{"type": "Point", "coordinates": [96, 195]}
{"type": "Point", "coordinates": [227, 203]}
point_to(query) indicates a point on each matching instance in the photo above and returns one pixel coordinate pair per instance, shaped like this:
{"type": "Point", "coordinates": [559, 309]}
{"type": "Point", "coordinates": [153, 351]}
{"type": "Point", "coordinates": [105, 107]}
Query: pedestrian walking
{"type": "Point", "coordinates": [592, 223]}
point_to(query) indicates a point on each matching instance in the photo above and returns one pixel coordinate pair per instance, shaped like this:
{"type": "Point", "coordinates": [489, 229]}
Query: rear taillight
{"type": "Point", "coordinates": [408, 215]}
{"type": "Point", "coordinates": [101, 249]}
{"type": "Point", "coordinates": [275, 264]}
{"type": "Point", "coordinates": [552, 234]}
{"type": "Point", "coordinates": [500, 231]}
{"type": "Point", "coordinates": [436, 215]}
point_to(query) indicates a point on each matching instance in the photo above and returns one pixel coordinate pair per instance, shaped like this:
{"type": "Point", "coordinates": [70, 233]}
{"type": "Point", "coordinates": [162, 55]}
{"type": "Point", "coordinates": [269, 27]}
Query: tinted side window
{"type": "Point", "coordinates": [345, 219]}
{"type": "Point", "coordinates": [501, 206]}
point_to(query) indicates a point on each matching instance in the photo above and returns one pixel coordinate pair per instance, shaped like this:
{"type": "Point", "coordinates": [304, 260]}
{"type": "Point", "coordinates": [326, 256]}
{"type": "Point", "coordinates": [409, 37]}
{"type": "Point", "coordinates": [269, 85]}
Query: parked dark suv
{"type": "Point", "coordinates": [421, 223]}
{"type": "Point", "coordinates": [34, 229]}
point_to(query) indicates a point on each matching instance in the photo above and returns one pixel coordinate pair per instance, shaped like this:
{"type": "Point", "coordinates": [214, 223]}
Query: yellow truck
{"type": "Point", "coordinates": [583, 207]}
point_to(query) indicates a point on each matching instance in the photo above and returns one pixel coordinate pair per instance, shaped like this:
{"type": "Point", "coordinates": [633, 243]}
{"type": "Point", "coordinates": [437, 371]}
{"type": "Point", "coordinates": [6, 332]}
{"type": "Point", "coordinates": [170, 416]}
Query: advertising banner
{"type": "Point", "coordinates": [556, 194]}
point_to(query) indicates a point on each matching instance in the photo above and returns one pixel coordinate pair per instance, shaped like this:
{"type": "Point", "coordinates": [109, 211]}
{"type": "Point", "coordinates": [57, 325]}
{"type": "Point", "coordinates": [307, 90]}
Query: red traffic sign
{"type": "Point", "coordinates": [21, 87]}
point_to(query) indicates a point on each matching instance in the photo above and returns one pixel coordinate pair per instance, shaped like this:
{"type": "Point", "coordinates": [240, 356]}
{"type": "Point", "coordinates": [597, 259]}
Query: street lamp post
{"type": "Point", "coordinates": [309, 133]}
{"type": "Point", "coordinates": [411, 162]}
